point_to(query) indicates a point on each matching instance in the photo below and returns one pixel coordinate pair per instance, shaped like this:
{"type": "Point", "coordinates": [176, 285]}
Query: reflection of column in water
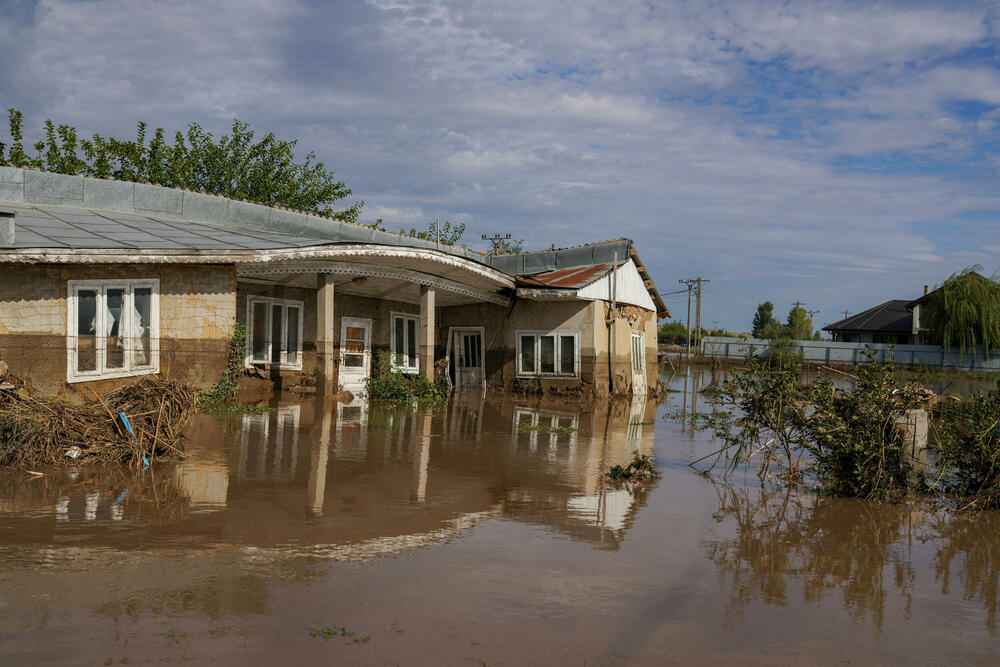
{"type": "Point", "coordinates": [90, 512]}
{"type": "Point", "coordinates": [422, 457]}
{"type": "Point", "coordinates": [62, 509]}
{"type": "Point", "coordinates": [316, 489]}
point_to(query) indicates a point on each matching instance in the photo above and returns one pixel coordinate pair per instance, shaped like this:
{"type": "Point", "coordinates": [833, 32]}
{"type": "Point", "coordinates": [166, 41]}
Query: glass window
{"type": "Point", "coordinates": [259, 328]}
{"type": "Point", "coordinates": [404, 342]}
{"type": "Point", "coordinates": [275, 326]}
{"type": "Point", "coordinates": [112, 328]}
{"type": "Point", "coordinates": [142, 316]}
{"type": "Point", "coordinates": [86, 327]}
{"type": "Point", "coordinates": [292, 321]}
{"type": "Point", "coordinates": [567, 355]}
{"type": "Point", "coordinates": [528, 354]}
{"type": "Point", "coordinates": [411, 342]}
{"type": "Point", "coordinates": [547, 353]}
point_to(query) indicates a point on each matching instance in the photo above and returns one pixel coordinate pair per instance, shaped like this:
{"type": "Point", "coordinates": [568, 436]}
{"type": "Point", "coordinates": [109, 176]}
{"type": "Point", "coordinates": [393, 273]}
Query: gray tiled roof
{"type": "Point", "coordinates": [52, 227]}
{"type": "Point", "coordinates": [889, 317]}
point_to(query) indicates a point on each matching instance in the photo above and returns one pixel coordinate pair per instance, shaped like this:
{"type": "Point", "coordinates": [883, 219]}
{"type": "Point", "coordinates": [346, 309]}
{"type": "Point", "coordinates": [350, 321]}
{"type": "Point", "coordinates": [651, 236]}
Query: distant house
{"type": "Point", "coordinates": [104, 280]}
{"type": "Point", "coordinates": [889, 322]}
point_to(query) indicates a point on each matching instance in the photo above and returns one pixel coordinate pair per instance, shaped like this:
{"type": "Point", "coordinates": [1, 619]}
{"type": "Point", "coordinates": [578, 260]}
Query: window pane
{"type": "Point", "coordinates": [547, 354]}
{"type": "Point", "coordinates": [259, 331]}
{"type": "Point", "coordinates": [399, 344]}
{"type": "Point", "coordinates": [411, 342]}
{"type": "Point", "coordinates": [292, 334]}
{"type": "Point", "coordinates": [86, 329]}
{"type": "Point", "coordinates": [528, 354]}
{"type": "Point", "coordinates": [567, 354]}
{"type": "Point", "coordinates": [142, 303]}
{"type": "Point", "coordinates": [113, 328]}
{"type": "Point", "coordinates": [276, 327]}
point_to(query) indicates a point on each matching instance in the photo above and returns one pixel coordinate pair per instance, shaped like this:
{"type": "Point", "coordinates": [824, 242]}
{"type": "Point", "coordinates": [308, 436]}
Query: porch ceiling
{"type": "Point", "coordinates": [374, 287]}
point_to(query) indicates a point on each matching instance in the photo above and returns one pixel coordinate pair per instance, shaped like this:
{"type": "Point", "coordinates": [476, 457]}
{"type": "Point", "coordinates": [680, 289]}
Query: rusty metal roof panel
{"type": "Point", "coordinates": [574, 278]}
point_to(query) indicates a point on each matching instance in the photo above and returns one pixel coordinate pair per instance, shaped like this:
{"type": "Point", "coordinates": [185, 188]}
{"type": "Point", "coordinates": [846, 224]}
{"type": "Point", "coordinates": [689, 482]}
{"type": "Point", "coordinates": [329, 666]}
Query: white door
{"type": "Point", "coordinates": [468, 355]}
{"type": "Point", "coordinates": [355, 352]}
{"type": "Point", "coordinates": [638, 363]}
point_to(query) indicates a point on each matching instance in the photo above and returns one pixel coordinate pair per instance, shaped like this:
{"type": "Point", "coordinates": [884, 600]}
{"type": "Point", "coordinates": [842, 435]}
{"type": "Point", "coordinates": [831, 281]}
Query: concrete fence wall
{"type": "Point", "coordinates": [830, 352]}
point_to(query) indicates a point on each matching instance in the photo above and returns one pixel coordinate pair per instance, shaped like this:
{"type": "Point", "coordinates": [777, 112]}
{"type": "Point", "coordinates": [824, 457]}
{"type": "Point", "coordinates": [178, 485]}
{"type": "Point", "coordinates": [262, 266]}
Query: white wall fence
{"type": "Point", "coordinates": [830, 352]}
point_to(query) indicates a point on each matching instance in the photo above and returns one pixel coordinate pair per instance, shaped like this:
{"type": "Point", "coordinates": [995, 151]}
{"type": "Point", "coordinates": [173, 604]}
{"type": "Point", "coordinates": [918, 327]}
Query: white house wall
{"type": "Point", "coordinates": [630, 288]}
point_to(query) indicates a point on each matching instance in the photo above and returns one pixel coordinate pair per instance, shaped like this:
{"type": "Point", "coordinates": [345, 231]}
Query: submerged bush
{"type": "Point", "coordinates": [853, 440]}
{"type": "Point", "coordinates": [968, 444]}
{"type": "Point", "coordinates": [385, 384]}
{"type": "Point", "coordinates": [857, 438]}
{"type": "Point", "coordinates": [640, 468]}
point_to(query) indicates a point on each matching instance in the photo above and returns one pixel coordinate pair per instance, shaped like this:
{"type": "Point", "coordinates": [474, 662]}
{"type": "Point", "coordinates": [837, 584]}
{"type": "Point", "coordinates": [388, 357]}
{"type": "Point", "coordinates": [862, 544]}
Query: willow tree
{"type": "Point", "coordinates": [964, 312]}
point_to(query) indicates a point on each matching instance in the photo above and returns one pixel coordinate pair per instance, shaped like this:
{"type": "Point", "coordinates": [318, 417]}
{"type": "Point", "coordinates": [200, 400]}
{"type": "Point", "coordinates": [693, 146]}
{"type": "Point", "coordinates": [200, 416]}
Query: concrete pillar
{"type": "Point", "coordinates": [427, 324]}
{"type": "Point", "coordinates": [324, 335]}
{"type": "Point", "coordinates": [915, 426]}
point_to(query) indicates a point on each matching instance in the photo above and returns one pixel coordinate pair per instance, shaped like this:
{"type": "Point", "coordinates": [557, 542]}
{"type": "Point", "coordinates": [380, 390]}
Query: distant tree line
{"type": "Point", "coordinates": [237, 165]}
{"type": "Point", "coordinates": [798, 325]}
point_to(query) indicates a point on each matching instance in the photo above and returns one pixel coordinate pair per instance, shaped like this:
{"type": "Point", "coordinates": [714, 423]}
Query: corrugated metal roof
{"type": "Point", "coordinates": [574, 278]}
{"type": "Point", "coordinates": [889, 317]}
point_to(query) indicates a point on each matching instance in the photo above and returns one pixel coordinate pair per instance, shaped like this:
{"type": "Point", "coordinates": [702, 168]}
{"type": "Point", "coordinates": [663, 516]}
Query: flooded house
{"type": "Point", "coordinates": [107, 280]}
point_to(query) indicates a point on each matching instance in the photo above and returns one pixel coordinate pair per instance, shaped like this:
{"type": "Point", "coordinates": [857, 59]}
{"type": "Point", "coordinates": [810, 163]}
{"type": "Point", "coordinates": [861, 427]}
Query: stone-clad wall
{"type": "Point", "coordinates": [197, 314]}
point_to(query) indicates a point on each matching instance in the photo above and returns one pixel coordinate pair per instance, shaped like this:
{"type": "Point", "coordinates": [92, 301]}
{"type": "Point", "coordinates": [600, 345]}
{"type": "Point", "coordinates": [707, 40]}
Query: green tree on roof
{"type": "Point", "coordinates": [236, 165]}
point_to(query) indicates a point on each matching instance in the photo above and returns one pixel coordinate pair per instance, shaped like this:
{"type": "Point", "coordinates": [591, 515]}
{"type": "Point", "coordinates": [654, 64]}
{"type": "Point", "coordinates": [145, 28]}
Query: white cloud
{"type": "Point", "coordinates": [574, 122]}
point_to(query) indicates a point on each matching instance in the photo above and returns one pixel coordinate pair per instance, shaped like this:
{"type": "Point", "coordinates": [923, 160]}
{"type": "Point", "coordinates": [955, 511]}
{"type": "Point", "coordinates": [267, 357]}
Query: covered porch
{"type": "Point", "coordinates": [328, 309]}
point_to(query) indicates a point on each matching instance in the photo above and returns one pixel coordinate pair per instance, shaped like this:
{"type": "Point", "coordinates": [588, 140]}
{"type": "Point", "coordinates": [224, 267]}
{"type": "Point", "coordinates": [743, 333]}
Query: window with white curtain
{"type": "Point", "coordinates": [548, 353]}
{"type": "Point", "coordinates": [274, 332]}
{"type": "Point", "coordinates": [113, 328]}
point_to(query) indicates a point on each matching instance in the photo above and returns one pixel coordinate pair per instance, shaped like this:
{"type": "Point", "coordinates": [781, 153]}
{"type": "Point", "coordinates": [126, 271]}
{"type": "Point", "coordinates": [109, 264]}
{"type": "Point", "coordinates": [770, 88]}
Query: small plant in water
{"type": "Point", "coordinates": [337, 632]}
{"type": "Point", "coordinates": [640, 468]}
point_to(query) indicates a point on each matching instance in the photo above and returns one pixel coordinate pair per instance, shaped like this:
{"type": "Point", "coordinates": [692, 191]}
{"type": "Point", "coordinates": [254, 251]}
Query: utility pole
{"type": "Point", "coordinates": [495, 240]}
{"type": "Point", "coordinates": [697, 317]}
{"type": "Point", "coordinates": [846, 314]}
{"type": "Point", "coordinates": [689, 283]}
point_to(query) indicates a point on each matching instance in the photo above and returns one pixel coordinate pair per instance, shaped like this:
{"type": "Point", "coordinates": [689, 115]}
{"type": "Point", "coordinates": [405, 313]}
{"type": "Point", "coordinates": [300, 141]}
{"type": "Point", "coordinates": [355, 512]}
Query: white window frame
{"type": "Point", "coordinates": [285, 304]}
{"type": "Point", "coordinates": [131, 369]}
{"type": "Point", "coordinates": [406, 317]}
{"type": "Point", "coordinates": [538, 334]}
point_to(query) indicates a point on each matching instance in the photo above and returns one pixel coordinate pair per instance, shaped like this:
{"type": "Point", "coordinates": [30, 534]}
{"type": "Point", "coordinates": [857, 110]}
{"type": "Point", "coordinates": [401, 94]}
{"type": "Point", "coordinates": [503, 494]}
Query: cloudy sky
{"type": "Point", "coordinates": [837, 153]}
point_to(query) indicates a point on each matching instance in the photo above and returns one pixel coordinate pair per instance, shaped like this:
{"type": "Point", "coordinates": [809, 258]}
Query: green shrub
{"type": "Point", "coordinates": [968, 445]}
{"type": "Point", "coordinates": [385, 384]}
{"type": "Point", "coordinates": [223, 393]}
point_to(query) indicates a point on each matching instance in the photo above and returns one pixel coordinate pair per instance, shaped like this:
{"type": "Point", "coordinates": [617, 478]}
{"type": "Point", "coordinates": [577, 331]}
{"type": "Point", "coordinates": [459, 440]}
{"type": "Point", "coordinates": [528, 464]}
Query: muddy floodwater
{"type": "Point", "coordinates": [323, 533]}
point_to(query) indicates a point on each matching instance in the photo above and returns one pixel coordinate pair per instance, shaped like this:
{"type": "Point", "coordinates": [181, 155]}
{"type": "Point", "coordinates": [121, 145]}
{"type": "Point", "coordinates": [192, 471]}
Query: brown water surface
{"type": "Point", "coordinates": [485, 533]}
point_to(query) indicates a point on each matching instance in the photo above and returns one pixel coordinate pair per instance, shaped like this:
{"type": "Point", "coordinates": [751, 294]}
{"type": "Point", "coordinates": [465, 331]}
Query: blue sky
{"type": "Point", "coordinates": [837, 153]}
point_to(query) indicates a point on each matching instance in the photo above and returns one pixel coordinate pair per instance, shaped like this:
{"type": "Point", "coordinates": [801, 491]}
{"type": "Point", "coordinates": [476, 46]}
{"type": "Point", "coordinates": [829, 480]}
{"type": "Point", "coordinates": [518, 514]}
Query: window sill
{"type": "Point", "coordinates": [546, 376]}
{"type": "Point", "coordinates": [273, 366]}
{"type": "Point", "coordinates": [139, 372]}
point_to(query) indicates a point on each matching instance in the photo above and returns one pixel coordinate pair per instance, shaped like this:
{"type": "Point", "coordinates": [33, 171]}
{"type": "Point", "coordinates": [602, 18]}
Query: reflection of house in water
{"type": "Point", "coordinates": [327, 477]}
{"type": "Point", "coordinates": [269, 444]}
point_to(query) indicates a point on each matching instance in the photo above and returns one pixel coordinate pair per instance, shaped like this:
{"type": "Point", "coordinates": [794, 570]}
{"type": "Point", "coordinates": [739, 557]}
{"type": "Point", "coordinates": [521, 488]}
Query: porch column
{"type": "Point", "coordinates": [324, 334]}
{"type": "Point", "coordinates": [427, 324]}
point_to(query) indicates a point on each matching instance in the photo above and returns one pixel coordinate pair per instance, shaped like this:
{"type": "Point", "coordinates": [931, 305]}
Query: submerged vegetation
{"type": "Point", "coordinates": [385, 384]}
{"type": "Point", "coordinates": [639, 469]}
{"type": "Point", "coordinates": [855, 441]}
